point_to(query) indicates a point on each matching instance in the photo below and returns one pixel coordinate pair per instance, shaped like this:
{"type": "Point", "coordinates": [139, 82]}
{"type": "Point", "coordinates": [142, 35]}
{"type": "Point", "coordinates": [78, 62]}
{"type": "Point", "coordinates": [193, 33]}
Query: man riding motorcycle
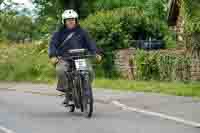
{"type": "Point", "coordinates": [69, 36]}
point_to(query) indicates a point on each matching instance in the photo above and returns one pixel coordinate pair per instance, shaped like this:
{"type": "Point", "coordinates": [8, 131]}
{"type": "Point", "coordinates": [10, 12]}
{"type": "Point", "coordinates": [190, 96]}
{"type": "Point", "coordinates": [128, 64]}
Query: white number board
{"type": "Point", "coordinates": [81, 64]}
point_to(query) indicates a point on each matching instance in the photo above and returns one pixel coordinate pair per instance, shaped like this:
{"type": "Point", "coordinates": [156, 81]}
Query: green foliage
{"type": "Point", "coordinates": [193, 42]}
{"type": "Point", "coordinates": [52, 10]}
{"type": "Point", "coordinates": [118, 28]}
{"type": "Point", "coordinates": [16, 28]}
{"type": "Point", "coordinates": [150, 7]}
{"type": "Point", "coordinates": [49, 12]}
{"type": "Point", "coordinates": [105, 27]}
{"type": "Point", "coordinates": [174, 67]}
{"type": "Point", "coordinates": [25, 63]}
{"type": "Point", "coordinates": [191, 9]}
{"type": "Point", "coordinates": [172, 88]}
{"type": "Point", "coordinates": [162, 66]}
{"type": "Point", "coordinates": [112, 4]}
{"type": "Point", "coordinates": [147, 66]}
{"type": "Point", "coordinates": [112, 30]}
{"type": "Point", "coordinates": [108, 66]}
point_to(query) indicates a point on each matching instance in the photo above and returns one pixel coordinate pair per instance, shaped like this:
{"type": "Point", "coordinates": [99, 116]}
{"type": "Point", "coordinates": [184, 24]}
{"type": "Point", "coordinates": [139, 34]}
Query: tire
{"type": "Point", "coordinates": [82, 108]}
{"type": "Point", "coordinates": [87, 99]}
{"type": "Point", "coordinates": [88, 103]}
{"type": "Point", "coordinates": [88, 106]}
{"type": "Point", "coordinates": [75, 92]}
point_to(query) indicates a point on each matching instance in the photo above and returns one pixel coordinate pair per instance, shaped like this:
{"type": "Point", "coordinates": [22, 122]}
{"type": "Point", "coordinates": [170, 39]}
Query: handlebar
{"type": "Point", "coordinates": [77, 51]}
{"type": "Point", "coordinates": [76, 57]}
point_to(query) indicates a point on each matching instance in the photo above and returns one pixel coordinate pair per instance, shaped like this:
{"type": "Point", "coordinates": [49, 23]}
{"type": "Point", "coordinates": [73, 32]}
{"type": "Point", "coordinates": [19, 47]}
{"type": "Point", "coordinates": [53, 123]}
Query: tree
{"type": "Point", "coordinates": [52, 7]}
{"type": "Point", "coordinates": [6, 5]}
{"type": "Point", "coordinates": [191, 9]}
{"type": "Point", "coordinates": [156, 8]}
{"type": "Point", "coordinates": [49, 12]}
{"type": "Point", "coordinates": [16, 28]}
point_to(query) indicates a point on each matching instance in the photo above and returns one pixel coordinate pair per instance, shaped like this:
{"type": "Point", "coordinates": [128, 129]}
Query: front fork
{"type": "Point", "coordinates": [81, 87]}
{"type": "Point", "coordinates": [86, 83]}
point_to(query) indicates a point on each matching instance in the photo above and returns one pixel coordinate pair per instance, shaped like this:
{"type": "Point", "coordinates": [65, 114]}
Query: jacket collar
{"type": "Point", "coordinates": [66, 30]}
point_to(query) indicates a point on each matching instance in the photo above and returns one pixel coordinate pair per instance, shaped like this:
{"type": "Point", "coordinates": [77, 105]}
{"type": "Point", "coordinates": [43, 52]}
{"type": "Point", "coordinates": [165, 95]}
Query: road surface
{"type": "Point", "coordinates": [31, 113]}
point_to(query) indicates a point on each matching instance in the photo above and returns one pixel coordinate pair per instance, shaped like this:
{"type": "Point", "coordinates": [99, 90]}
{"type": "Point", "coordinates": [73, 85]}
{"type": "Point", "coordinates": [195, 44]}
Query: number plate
{"type": "Point", "coordinates": [81, 64]}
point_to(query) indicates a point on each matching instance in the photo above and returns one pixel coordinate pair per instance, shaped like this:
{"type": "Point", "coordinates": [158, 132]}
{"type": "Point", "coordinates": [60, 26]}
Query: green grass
{"type": "Point", "coordinates": [172, 88]}
{"type": "Point", "coordinates": [25, 62]}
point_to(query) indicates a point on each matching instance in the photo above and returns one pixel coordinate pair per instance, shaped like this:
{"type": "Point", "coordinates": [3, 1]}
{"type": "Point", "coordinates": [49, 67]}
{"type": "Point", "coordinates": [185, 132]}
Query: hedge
{"type": "Point", "coordinates": [162, 66]}
{"type": "Point", "coordinates": [117, 29]}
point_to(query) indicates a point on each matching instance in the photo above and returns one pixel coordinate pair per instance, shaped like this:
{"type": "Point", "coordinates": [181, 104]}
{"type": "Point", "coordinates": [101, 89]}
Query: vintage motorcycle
{"type": "Point", "coordinates": [80, 82]}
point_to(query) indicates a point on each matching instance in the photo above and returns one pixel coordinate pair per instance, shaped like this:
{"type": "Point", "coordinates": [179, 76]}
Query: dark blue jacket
{"type": "Point", "coordinates": [79, 40]}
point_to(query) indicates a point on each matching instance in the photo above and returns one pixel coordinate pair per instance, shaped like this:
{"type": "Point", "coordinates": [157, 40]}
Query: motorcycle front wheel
{"type": "Point", "coordinates": [87, 99]}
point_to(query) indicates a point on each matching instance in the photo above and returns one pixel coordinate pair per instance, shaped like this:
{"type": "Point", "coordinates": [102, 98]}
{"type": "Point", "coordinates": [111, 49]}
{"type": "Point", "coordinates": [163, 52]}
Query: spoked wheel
{"type": "Point", "coordinates": [88, 103]}
{"type": "Point", "coordinates": [87, 97]}
{"type": "Point", "coordinates": [71, 108]}
{"type": "Point", "coordinates": [88, 106]}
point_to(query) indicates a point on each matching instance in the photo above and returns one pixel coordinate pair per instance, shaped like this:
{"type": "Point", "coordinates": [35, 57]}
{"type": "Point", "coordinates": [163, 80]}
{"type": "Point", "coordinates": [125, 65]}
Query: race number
{"type": "Point", "coordinates": [81, 64]}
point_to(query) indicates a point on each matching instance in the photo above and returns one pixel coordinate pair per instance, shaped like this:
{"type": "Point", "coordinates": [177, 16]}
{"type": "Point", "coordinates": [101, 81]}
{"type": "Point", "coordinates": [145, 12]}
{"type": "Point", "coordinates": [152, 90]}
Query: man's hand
{"type": "Point", "coordinates": [98, 58]}
{"type": "Point", "coordinates": [54, 60]}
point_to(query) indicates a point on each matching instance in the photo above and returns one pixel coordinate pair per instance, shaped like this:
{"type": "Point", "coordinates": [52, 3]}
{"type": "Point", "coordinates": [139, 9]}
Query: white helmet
{"type": "Point", "coordinates": [67, 14]}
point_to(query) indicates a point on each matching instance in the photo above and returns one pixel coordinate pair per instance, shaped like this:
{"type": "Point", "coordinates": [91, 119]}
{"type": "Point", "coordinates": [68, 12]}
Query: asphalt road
{"type": "Point", "coordinates": [31, 113]}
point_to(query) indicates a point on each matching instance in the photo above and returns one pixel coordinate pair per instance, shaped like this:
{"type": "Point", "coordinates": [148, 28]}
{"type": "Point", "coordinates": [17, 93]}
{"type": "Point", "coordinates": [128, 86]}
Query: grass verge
{"type": "Point", "coordinates": [172, 88]}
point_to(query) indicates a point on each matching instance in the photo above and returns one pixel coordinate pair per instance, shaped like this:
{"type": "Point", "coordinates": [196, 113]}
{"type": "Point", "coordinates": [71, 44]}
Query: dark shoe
{"type": "Point", "coordinates": [66, 102]}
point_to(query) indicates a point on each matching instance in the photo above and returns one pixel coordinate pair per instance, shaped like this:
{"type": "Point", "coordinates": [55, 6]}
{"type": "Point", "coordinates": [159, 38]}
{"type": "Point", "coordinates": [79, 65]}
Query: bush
{"type": "Point", "coordinates": [15, 27]}
{"type": "Point", "coordinates": [112, 4]}
{"type": "Point", "coordinates": [25, 63]}
{"type": "Point", "coordinates": [190, 10]}
{"type": "Point", "coordinates": [162, 66]}
{"type": "Point", "coordinates": [154, 8]}
{"type": "Point", "coordinates": [147, 66]}
{"type": "Point", "coordinates": [118, 28]}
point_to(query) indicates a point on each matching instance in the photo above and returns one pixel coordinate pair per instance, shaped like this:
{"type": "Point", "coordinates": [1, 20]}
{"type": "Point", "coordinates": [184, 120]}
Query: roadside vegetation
{"type": "Point", "coordinates": [30, 63]}
{"type": "Point", "coordinates": [25, 63]}
{"type": "Point", "coordinates": [160, 66]}
{"type": "Point", "coordinates": [171, 88]}
{"type": "Point", "coordinates": [114, 25]}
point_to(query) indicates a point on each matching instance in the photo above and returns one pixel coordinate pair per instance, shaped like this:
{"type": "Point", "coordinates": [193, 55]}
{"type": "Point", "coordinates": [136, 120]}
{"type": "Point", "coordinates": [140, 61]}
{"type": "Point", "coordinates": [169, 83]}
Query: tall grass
{"type": "Point", "coordinates": [25, 62]}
